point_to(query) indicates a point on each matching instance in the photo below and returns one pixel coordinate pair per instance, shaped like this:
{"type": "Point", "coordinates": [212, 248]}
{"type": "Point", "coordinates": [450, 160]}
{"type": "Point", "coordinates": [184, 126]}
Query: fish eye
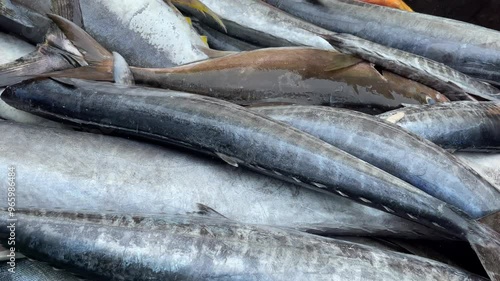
{"type": "Point", "coordinates": [430, 100]}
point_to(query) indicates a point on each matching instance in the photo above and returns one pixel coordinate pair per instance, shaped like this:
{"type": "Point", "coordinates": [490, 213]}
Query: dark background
{"type": "Point", "coordinates": [480, 12]}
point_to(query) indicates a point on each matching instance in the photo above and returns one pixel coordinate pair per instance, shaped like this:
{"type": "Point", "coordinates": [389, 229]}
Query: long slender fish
{"type": "Point", "coordinates": [448, 81]}
{"type": "Point", "coordinates": [30, 270]}
{"type": "Point", "coordinates": [94, 172]}
{"type": "Point", "coordinates": [364, 136]}
{"type": "Point", "coordinates": [242, 137]}
{"type": "Point", "coordinates": [175, 247]}
{"type": "Point", "coordinates": [467, 48]}
{"type": "Point", "coordinates": [284, 75]}
{"type": "Point", "coordinates": [291, 75]}
{"type": "Point", "coordinates": [454, 126]}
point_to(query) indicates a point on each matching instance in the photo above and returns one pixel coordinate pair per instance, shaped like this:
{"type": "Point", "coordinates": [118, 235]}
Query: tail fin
{"type": "Point", "coordinates": [486, 243]}
{"type": "Point", "coordinates": [100, 60]}
{"type": "Point", "coordinates": [56, 53]}
{"type": "Point", "coordinates": [492, 221]}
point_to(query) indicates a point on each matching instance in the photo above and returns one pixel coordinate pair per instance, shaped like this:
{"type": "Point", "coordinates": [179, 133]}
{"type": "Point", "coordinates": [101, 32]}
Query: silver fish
{"type": "Point", "coordinates": [95, 172]}
{"type": "Point", "coordinates": [176, 247]}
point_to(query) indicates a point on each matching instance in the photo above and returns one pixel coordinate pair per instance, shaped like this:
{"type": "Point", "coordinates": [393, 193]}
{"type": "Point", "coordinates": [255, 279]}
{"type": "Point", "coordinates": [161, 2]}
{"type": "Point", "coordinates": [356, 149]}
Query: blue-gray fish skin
{"type": "Point", "coordinates": [471, 49]}
{"type": "Point", "coordinates": [472, 126]}
{"type": "Point", "coordinates": [237, 135]}
{"type": "Point", "coordinates": [365, 136]}
{"type": "Point", "coordinates": [241, 137]}
{"type": "Point", "coordinates": [175, 247]}
{"type": "Point", "coordinates": [95, 172]}
{"type": "Point", "coordinates": [31, 270]}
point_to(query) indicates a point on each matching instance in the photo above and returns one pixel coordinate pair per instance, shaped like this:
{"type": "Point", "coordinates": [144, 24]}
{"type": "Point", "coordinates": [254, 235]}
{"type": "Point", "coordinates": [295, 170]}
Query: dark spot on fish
{"type": "Point", "coordinates": [204, 232]}
{"type": "Point", "coordinates": [137, 219]}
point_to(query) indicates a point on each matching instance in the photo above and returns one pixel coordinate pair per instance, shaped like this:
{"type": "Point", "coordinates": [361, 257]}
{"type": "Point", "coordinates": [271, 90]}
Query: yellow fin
{"type": "Point", "coordinates": [188, 19]}
{"type": "Point", "coordinates": [342, 61]}
{"type": "Point", "coordinates": [196, 4]}
{"type": "Point", "coordinates": [204, 39]}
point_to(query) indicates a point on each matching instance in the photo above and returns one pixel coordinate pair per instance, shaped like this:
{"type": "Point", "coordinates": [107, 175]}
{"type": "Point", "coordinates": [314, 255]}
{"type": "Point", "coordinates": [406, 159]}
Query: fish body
{"type": "Point", "coordinates": [291, 75]}
{"type": "Point", "coordinates": [241, 137]}
{"type": "Point", "coordinates": [485, 164]}
{"type": "Point", "coordinates": [454, 126]}
{"type": "Point", "coordinates": [458, 185]}
{"type": "Point", "coordinates": [467, 48]}
{"type": "Point", "coordinates": [175, 247]}
{"type": "Point", "coordinates": [95, 172]}
{"type": "Point", "coordinates": [227, 130]}
{"type": "Point", "coordinates": [147, 33]}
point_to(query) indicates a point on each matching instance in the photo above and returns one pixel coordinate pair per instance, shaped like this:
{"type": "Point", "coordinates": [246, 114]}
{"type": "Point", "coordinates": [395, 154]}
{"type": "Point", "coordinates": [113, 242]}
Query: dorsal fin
{"type": "Point", "coordinates": [207, 211]}
{"type": "Point", "coordinates": [121, 71]}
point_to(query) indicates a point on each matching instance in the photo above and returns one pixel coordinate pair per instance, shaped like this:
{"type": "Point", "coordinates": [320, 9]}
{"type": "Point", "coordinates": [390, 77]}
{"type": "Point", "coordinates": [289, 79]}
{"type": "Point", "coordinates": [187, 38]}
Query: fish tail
{"type": "Point", "coordinates": [99, 61]}
{"type": "Point", "coordinates": [53, 55]}
{"type": "Point", "coordinates": [485, 240]}
{"type": "Point", "coordinates": [197, 5]}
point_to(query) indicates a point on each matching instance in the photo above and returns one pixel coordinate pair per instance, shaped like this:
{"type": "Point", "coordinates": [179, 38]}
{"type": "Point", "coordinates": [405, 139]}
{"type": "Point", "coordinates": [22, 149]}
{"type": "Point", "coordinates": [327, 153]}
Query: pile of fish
{"type": "Point", "coordinates": [247, 140]}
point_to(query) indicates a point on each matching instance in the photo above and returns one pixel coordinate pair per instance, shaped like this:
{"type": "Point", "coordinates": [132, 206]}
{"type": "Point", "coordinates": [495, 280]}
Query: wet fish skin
{"type": "Point", "coordinates": [485, 164]}
{"type": "Point", "coordinates": [102, 171]}
{"type": "Point", "coordinates": [221, 41]}
{"type": "Point", "coordinates": [241, 137]}
{"type": "Point", "coordinates": [291, 75]}
{"type": "Point", "coordinates": [136, 247]}
{"type": "Point", "coordinates": [467, 48]}
{"type": "Point", "coordinates": [222, 128]}
{"type": "Point", "coordinates": [30, 270]}
{"type": "Point", "coordinates": [454, 126]}
{"type": "Point", "coordinates": [458, 185]}
{"type": "Point", "coordinates": [256, 22]}
{"type": "Point", "coordinates": [147, 33]}
{"type": "Point", "coordinates": [455, 85]}
{"type": "Point", "coordinates": [23, 22]}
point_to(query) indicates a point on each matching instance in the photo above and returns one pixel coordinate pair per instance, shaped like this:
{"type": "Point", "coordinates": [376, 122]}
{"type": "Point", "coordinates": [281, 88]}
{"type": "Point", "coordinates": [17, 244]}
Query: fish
{"type": "Point", "coordinates": [241, 137]}
{"type": "Point", "coordinates": [31, 270]}
{"type": "Point", "coordinates": [181, 247]}
{"type": "Point", "coordinates": [291, 75]}
{"type": "Point", "coordinates": [13, 48]}
{"type": "Point", "coordinates": [485, 164]}
{"type": "Point", "coordinates": [468, 48]}
{"type": "Point", "coordinates": [295, 75]}
{"type": "Point", "coordinates": [102, 171]}
{"type": "Point", "coordinates": [261, 24]}
{"type": "Point", "coordinates": [454, 84]}
{"type": "Point", "coordinates": [454, 126]}
{"type": "Point", "coordinates": [398, 4]}
{"type": "Point", "coordinates": [362, 135]}
{"type": "Point", "coordinates": [220, 41]}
